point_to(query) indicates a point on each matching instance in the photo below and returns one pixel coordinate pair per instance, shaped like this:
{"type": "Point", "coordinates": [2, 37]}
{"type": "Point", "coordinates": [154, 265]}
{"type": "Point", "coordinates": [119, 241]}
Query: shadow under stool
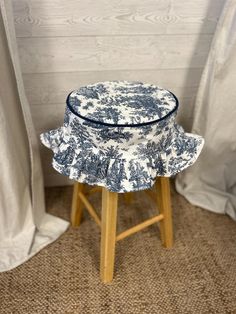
{"type": "Point", "coordinates": [161, 196]}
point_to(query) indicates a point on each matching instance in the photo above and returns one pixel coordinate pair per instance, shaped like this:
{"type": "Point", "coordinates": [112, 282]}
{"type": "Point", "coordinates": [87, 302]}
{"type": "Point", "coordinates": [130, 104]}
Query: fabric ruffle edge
{"type": "Point", "coordinates": [120, 174]}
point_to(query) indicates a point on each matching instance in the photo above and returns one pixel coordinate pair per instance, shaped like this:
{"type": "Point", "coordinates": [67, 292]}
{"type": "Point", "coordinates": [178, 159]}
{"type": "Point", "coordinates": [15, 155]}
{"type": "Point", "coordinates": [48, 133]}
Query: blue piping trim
{"type": "Point", "coordinates": [123, 125]}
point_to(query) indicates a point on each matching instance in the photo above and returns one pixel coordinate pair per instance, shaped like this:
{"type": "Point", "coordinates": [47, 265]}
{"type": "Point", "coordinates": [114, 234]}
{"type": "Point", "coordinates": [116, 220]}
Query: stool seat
{"type": "Point", "coordinates": [121, 135]}
{"type": "Point", "coordinates": [122, 103]}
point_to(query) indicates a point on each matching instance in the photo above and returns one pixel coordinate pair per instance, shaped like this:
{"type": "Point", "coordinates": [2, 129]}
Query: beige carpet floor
{"type": "Point", "coordinates": [198, 275]}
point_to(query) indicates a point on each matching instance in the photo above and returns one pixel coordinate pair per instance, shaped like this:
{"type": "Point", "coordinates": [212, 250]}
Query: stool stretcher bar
{"type": "Point", "coordinates": [139, 227]}
{"type": "Point", "coordinates": [125, 233]}
{"type": "Point", "coordinates": [90, 208]}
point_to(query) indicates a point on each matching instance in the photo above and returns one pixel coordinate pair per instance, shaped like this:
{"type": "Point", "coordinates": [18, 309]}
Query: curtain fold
{"type": "Point", "coordinates": [211, 182]}
{"type": "Point", "coordinates": [25, 227]}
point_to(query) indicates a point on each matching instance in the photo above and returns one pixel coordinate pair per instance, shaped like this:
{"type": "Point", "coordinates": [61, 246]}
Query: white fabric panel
{"type": "Point", "coordinates": [211, 182]}
{"type": "Point", "coordinates": [25, 228]}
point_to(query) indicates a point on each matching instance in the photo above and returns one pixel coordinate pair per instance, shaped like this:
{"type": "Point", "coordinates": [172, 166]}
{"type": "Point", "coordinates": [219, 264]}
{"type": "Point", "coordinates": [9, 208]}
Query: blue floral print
{"type": "Point", "coordinates": [121, 135]}
{"type": "Point", "coordinates": [122, 102]}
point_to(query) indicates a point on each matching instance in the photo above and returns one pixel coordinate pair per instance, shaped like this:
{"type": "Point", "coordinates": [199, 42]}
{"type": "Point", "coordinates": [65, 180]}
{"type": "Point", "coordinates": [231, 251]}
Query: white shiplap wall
{"type": "Point", "coordinates": [65, 44]}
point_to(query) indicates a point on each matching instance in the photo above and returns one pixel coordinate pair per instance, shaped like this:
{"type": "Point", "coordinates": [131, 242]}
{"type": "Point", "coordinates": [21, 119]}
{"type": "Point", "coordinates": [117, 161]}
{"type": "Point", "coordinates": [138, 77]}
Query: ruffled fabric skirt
{"type": "Point", "coordinates": [129, 169]}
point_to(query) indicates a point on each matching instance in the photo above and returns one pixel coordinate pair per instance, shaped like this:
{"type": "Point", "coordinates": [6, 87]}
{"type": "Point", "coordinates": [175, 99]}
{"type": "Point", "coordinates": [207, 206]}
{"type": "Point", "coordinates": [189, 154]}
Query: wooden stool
{"type": "Point", "coordinates": [107, 223]}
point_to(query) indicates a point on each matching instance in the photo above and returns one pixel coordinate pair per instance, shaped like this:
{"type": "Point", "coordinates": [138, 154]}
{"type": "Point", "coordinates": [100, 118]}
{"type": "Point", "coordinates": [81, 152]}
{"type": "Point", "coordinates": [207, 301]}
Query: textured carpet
{"type": "Point", "coordinates": [198, 275]}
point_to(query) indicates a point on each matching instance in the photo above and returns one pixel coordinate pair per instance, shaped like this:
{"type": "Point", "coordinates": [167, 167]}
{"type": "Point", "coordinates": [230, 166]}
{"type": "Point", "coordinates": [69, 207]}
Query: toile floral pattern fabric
{"type": "Point", "coordinates": [121, 135]}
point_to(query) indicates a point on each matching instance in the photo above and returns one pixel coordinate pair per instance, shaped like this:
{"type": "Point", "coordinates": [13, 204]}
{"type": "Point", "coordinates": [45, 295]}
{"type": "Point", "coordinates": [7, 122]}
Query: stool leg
{"type": "Point", "coordinates": [77, 205]}
{"type": "Point", "coordinates": [108, 235]}
{"type": "Point", "coordinates": [164, 207]}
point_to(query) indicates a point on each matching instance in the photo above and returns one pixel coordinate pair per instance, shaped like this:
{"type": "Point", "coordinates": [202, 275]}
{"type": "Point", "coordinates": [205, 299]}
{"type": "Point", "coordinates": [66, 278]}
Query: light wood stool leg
{"type": "Point", "coordinates": [77, 205]}
{"type": "Point", "coordinates": [108, 234]}
{"type": "Point", "coordinates": [164, 207]}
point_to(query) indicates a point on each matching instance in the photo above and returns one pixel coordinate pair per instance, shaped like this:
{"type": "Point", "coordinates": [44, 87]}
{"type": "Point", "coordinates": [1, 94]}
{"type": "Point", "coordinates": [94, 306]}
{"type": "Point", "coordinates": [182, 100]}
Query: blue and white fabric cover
{"type": "Point", "coordinates": [121, 135]}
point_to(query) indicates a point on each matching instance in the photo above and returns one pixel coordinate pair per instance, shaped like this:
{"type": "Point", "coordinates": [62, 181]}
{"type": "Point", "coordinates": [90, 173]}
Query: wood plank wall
{"type": "Point", "coordinates": [65, 44]}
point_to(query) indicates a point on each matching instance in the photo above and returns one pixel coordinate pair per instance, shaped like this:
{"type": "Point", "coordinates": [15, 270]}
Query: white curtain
{"type": "Point", "coordinates": [211, 182]}
{"type": "Point", "coordinates": [25, 228]}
